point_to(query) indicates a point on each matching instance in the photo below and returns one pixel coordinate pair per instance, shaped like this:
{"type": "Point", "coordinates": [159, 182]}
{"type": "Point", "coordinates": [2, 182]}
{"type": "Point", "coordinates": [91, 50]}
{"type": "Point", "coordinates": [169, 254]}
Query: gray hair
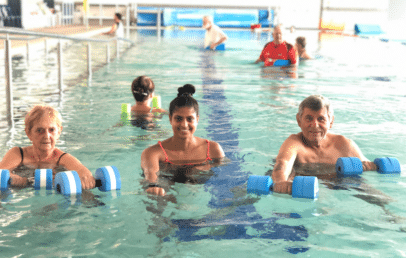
{"type": "Point", "coordinates": [315, 103]}
{"type": "Point", "coordinates": [209, 17]}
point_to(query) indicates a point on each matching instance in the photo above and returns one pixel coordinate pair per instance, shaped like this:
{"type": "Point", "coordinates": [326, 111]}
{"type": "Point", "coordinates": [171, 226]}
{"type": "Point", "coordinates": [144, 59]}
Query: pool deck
{"type": "Point", "coordinates": [19, 47]}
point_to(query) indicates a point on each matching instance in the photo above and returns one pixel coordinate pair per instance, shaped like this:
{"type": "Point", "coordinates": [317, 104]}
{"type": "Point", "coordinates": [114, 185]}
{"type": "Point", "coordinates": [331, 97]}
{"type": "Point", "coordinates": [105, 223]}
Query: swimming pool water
{"type": "Point", "coordinates": [250, 111]}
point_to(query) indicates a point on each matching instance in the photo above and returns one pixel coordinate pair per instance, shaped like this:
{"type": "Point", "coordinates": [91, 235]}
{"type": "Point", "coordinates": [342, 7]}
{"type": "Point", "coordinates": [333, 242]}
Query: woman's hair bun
{"type": "Point", "coordinates": [186, 90]}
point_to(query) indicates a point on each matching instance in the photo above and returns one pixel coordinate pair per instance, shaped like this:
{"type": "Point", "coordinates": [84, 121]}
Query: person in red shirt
{"type": "Point", "coordinates": [277, 50]}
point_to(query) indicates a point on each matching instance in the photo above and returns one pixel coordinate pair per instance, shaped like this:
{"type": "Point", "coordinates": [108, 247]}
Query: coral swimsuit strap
{"type": "Point", "coordinates": [170, 162]}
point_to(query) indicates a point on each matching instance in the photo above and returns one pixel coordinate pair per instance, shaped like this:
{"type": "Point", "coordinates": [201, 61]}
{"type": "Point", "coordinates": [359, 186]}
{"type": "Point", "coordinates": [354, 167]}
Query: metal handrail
{"type": "Point", "coordinates": [35, 35]}
{"type": "Point", "coordinates": [50, 35]}
{"type": "Point", "coordinates": [19, 38]}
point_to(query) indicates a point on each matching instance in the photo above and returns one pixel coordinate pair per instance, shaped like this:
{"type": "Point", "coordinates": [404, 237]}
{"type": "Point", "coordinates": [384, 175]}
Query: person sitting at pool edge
{"type": "Point", "coordinates": [117, 29]}
{"type": "Point", "coordinates": [43, 126]}
{"type": "Point", "coordinates": [300, 45]}
{"type": "Point", "coordinates": [183, 148]}
{"type": "Point", "coordinates": [214, 35]}
{"type": "Point", "coordinates": [277, 50]}
{"type": "Point", "coordinates": [143, 89]}
{"type": "Point", "coordinates": [313, 145]}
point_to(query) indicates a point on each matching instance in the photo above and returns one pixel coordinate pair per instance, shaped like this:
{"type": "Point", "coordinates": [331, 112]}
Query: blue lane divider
{"type": "Point", "coordinates": [235, 224]}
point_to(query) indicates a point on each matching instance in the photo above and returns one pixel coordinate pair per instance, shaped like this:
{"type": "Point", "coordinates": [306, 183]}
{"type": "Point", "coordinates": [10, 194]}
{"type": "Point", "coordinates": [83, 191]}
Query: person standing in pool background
{"type": "Point", "coordinates": [183, 149]}
{"type": "Point", "coordinates": [43, 126]}
{"type": "Point", "coordinates": [314, 150]}
{"type": "Point", "coordinates": [277, 50]}
{"type": "Point", "coordinates": [214, 35]}
{"type": "Point", "coordinates": [300, 45]}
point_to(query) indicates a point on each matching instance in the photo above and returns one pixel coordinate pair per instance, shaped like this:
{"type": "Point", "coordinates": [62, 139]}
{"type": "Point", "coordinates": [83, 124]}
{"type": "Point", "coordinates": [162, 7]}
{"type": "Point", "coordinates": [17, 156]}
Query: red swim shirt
{"type": "Point", "coordinates": [283, 51]}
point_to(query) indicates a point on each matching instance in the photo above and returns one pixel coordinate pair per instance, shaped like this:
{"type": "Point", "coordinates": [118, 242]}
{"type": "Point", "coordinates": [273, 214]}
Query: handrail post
{"type": "Point", "coordinates": [127, 21]}
{"type": "Point", "coordinates": [9, 81]}
{"type": "Point", "coordinates": [101, 14]}
{"type": "Point", "coordinates": [89, 60]}
{"type": "Point", "coordinates": [118, 48]}
{"type": "Point", "coordinates": [108, 52]}
{"type": "Point", "coordinates": [158, 21]}
{"type": "Point", "coordinates": [46, 47]}
{"type": "Point", "coordinates": [28, 51]}
{"type": "Point", "coordinates": [60, 77]}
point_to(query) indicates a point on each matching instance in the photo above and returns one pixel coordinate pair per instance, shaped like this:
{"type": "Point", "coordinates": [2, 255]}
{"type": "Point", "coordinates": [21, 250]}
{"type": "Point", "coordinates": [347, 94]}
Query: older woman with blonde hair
{"type": "Point", "coordinates": [43, 126]}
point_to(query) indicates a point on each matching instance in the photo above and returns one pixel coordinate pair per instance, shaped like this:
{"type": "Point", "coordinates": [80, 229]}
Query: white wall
{"type": "Point", "coordinates": [299, 13]}
{"type": "Point", "coordinates": [397, 18]}
{"type": "Point", "coordinates": [188, 3]}
{"type": "Point", "coordinates": [32, 16]}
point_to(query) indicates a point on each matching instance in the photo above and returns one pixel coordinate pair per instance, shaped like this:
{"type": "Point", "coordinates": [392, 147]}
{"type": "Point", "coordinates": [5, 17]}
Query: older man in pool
{"type": "Point", "coordinates": [277, 50]}
{"type": "Point", "coordinates": [313, 151]}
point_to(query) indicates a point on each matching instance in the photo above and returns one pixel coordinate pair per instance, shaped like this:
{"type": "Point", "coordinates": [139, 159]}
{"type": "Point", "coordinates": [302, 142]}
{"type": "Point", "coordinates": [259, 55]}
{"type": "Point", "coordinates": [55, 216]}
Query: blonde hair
{"type": "Point", "coordinates": [37, 112]}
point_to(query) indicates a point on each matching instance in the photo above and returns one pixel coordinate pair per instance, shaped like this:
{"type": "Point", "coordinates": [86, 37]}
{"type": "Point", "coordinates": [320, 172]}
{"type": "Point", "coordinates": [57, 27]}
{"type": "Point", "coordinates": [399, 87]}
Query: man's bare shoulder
{"type": "Point", "coordinates": [340, 141]}
{"type": "Point", "coordinates": [296, 139]}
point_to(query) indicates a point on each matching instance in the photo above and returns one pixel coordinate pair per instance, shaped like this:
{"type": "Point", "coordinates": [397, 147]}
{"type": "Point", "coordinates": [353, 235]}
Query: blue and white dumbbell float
{"type": "Point", "coordinates": [302, 186]}
{"type": "Point", "coordinates": [351, 166]}
{"type": "Point", "coordinates": [107, 179]}
{"type": "Point", "coordinates": [68, 182]}
{"type": "Point", "coordinates": [42, 179]}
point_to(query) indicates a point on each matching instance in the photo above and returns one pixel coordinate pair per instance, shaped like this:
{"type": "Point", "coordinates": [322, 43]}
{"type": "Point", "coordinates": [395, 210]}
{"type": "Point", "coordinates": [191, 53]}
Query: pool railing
{"type": "Point", "coordinates": [36, 35]}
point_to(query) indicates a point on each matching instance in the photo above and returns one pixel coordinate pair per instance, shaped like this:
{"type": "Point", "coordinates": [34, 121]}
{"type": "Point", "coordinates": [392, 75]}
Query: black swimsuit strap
{"type": "Point", "coordinates": [57, 163]}
{"type": "Point", "coordinates": [22, 154]}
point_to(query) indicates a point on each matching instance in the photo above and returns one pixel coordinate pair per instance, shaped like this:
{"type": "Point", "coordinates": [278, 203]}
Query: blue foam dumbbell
{"type": "Point", "coordinates": [350, 166]}
{"type": "Point", "coordinates": [302, 186]}
{"type": "Point", "coordinates": [4, 179]}
{"type": "Point", "coordinates": [220, 47]}
{"type": "Point", "coordinates": [387, 165]}
{"type": "Point", "coordinates": [281, 62]}
{"type": "Point", "coordinates": [42, 179]}
{"type": "Point", "coordinates": [107, 179]}
{"type": "Point", "coordinates": [68, 183]}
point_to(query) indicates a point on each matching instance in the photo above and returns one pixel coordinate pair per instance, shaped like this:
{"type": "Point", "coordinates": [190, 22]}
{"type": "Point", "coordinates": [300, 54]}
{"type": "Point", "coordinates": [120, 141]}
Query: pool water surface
{"type": "Point", "coordinates": [250, 111]}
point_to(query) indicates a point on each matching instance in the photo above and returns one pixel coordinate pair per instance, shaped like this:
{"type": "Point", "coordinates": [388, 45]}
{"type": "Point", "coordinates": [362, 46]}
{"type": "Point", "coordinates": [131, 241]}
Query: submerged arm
{"type": "Point", "coordinates": [113, 29]}
{"type": "Point", "coordinates": [150, 167]}
{"type": "Point", "coordinates": [10, 162]}
{"type": "Point", "coordinates": [71, 163]}
{"type": "Point", "coordinates": [284, 165]}
{"type": "Point", "coordinates": [355, 151]}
